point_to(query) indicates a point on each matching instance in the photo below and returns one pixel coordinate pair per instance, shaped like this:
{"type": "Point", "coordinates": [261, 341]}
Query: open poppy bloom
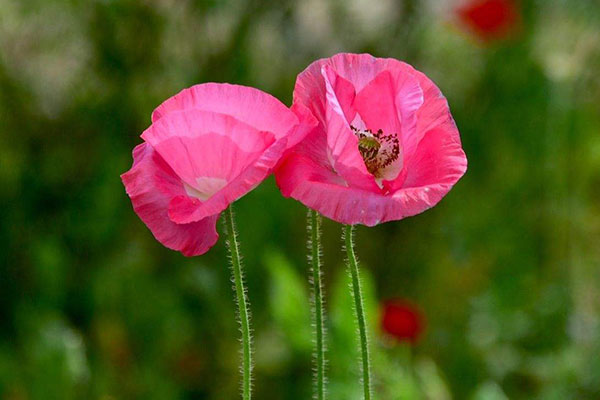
{"type": "Point", "coordinates": [385, 148]}
{"type": "Point", "coordinates": [207, 146]}
{"type": "Point", "coordinates": [490, 19]}
{"type": "Point", "coordinates": [402, 321]}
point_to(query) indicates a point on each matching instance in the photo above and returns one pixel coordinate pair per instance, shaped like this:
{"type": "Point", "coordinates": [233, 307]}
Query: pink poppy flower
{"type": "Point", "coordinates": [385, 148]}
{"type": "Point", "coordinates": [490, 19]}
{"type": "Point", "coordinates": [206, 147]}
{"type": "Point", "coordinates": [402, 321]}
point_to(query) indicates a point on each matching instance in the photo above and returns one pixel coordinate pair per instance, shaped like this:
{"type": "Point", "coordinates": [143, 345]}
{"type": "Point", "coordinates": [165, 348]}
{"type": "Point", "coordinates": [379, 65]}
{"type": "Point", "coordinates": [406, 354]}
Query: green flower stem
{"type": "Point", "coordinates": [360, 313]}
{"type": "Point", "coordinates": [242, 303]}
{"type": "Point", "coordinates": [317, 289]}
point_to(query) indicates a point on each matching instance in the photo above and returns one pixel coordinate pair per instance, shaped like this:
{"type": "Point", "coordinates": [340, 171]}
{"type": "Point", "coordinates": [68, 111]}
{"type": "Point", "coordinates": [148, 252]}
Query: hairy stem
{"type": "Point", "coordinates": [317, 303]}
{"type": "Point", "coordinates": [359, 309]}
{"type": "Point", "coordinates": [242, 303]}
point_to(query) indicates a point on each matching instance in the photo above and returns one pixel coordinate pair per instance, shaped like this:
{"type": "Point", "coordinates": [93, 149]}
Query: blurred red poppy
{"type": "Point", "coordinates": [490, 19]}
{"type": "Point", "coordinates": [402, 321]}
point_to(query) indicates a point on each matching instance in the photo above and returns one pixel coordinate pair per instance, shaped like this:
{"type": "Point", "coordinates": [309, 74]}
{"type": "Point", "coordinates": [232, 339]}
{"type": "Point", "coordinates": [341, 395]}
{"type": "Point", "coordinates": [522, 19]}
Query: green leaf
{"type": "Point", "coordinates": [289, 301]}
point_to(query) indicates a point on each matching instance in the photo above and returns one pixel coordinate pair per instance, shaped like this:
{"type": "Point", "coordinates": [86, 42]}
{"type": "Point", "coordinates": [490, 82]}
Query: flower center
{"type": "Point", "coordinates": [205, 187]}
{"type": "Point", "coordinates": [378, 150]}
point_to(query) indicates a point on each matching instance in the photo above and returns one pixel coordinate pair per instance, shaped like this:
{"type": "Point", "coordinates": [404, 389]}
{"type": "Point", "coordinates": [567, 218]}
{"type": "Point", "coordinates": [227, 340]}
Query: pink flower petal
{"type": "Point", "coordinates": [305, 180]}
{"type": "Point", "coordinates": [403, 86]}
{"type": "Point", "coordinates": [307, 122]}
{"type": "Point", "coordinates": [438, 160]}
{"type": "Point", "coordinates": [184, 209]}
{"type": "Point", "coordinates": [359, 69]}
{"type": "Point", "coordinates": [341, 90]}
{"type": "Point", "coordinates": [203, 148]}
{"type": "Point", "coordinates": [376, 104]}
{"type": "Point", "coordinates": [200, 144]}
{"type": "Point", "coordinates": [324, 172]}
{"type": "Point", "coordinates": [434, 113]}
{"type": "Point", "coordinates": [208, 146]}
{"type": "Point", "coordinates": [150, 184]}
{"type": "Point", "coordinates": [435, 110]}
{"type": "Point", "coordinates": [248, 105]}
{"type": "Point", "coordinates": [341, 141]}
{"type": "Point", "coordinates": [409, 99]}
{"type": "Point", "coordinates": [389, 102]}
{"type": "Point", "coordinates": [315, 186]}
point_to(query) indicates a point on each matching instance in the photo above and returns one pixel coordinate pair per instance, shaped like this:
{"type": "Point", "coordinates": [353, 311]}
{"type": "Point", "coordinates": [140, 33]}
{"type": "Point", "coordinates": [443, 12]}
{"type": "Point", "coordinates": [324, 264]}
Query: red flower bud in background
{"type": "Point", "coordinates": [402, 321]}
{"type": "Point", "coordinates": [490, 19]}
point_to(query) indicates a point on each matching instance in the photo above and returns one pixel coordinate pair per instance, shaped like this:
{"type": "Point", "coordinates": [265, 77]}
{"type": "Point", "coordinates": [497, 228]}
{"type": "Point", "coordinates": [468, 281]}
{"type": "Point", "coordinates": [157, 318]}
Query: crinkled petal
{"type": "Point", "coordinates": [388, 97]}
{"type": "Point", "coordinates": [184, 209]}
{"type": "Point", "coordinates": [357, 69]}
{"type": "Point", "coordinates": [342, 90]}
{"type": "Point", "coordinates": [433, 115]}
{"type": "Point", "coordinates": [151, 183]}
{"type": "Point", "coordinates": [312, 184]}
{"type": "Point", "coordinates": [433, 159]}
{"type": "Point", "coordinates": [248, 105]}
{"type": "Point", "coordinates": [435, 110]}
{"type": "Point", "coordinates": [307, 126]}
{"type": "Point", "coordinates": [203, 147]}
{"type": "Point", "coordinates": [306, 123]}
{"type": "Point", "coordinates": [341, 141]}
{"type": "Point", "coordinates": [409, 99]}
{"type": "Point", "coordinates": [315, 186]}
{"type": "Point", "coordinates": [382, 105]}
{"type": "Point", "coordinates": [376, 104]}
{"type": "Point", "coordinates": [199, 145]}
{"type": "Point", "coordinates": [400, 87]}
{"type": "Point", "coordinates": [439, 159]}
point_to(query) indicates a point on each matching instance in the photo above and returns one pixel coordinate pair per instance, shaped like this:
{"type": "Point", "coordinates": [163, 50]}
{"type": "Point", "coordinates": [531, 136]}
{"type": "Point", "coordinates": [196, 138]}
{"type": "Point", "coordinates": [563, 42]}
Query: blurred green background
{"type": "Point", "coordinates": [506, 268]}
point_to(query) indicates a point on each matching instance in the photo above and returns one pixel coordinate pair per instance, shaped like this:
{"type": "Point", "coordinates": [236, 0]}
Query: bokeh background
{"type": "Point", "coordinates": [506, 269]}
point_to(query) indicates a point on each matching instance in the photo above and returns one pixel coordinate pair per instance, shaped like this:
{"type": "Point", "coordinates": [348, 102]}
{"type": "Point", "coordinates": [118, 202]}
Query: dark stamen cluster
{"type": "Point", "coordinates": [377, 150]}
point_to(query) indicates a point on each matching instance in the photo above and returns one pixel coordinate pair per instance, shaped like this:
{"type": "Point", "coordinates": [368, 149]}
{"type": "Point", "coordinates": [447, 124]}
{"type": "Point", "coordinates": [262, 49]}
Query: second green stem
{"type": "Point", "coordinates": [242, 303]}
{"type": "Point", "coordinates": [360, 312]}
{"type": "Point", "coordinates": [315, 243]}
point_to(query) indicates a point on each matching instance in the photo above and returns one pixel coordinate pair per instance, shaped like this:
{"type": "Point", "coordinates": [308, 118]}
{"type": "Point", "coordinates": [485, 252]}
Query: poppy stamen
{"type": "Point", "coordinates": [377, 149]}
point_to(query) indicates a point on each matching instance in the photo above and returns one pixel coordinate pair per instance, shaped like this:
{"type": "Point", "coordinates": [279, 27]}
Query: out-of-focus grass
{"type": "Point", "coordinates": [506, 267]}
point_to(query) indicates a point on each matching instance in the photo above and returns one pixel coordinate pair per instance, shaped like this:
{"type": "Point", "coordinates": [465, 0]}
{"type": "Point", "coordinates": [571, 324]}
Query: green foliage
{"type": "Point", "coordinates": [505, 267]}
{"type": "Point", "coordinates": [289, 301]}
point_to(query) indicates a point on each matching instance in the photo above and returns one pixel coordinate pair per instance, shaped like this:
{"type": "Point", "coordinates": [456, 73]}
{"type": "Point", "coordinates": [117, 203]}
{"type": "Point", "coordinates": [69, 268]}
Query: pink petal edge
{"type": "Point", "coordinates": [246, 104]}
{"type": "Point", "coordinates": [151, 183]}
{"type": "Point", "coordinates": [434, 159]}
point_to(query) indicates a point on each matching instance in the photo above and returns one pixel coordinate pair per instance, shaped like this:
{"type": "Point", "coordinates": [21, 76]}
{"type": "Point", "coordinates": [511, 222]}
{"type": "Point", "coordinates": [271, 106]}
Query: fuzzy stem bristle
{"type": "Point", "coordinates": [317, 303]}
{"type": "Point", "coordinates": [242, 303]}
{"type": "Point", "coordinates": [359, 310]}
